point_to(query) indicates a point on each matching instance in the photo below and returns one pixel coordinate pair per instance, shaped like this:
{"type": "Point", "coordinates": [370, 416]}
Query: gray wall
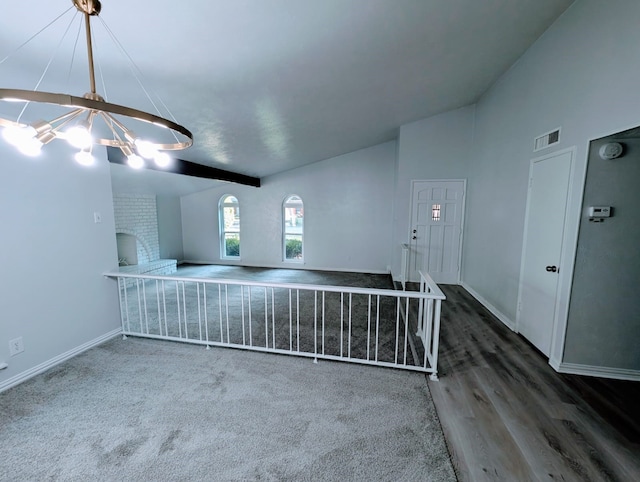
{"type": "Point", "coordinates": [348, 212]}
{"type": "Point", "coordinates": [604, 321]}
{"type": "Point", "coordinates": [53, 255]}
{"type": "Point", "coordinates": [170, 227]}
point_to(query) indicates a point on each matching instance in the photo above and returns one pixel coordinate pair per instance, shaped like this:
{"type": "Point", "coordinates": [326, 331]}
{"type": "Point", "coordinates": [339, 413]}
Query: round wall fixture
{"type": "Point", "coordinates": [610, 151]}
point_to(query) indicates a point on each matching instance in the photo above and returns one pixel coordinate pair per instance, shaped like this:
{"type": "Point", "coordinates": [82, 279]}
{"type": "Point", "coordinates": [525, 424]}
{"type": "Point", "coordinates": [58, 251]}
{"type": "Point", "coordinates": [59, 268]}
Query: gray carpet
{"type": "Point", "coordinates": [151, 410]}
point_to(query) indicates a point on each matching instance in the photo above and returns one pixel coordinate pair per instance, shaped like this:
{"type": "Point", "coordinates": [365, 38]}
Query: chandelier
{"type": "Point", "coordinates": [78, 125]}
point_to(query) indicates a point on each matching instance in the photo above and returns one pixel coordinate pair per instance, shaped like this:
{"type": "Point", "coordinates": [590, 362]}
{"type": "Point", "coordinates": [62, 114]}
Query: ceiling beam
{"type": "Point", "coordinates": [187, 168]}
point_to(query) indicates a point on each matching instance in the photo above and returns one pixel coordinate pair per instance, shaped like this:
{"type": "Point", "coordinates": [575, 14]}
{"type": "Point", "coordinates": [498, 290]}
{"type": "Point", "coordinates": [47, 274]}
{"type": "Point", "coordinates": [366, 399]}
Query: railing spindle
{"type": "Point", "coordinates": [244, 342]}
{"type": "Point", "coordinates": [206, 321]}
{"type": "Point", "coordinates": [266, 320]}
{"type": "Point", "coordinates": [406, 329]}
{"type": "Point", "coordinates": [377, 325]}
{"type": "Point", "coordinates": [178, 305]}
{"type": "Point", "coordinates": [273, 319]}
{"type": "Point", "coordinates": [164, 303]}
{"type": "Point", "coordinates": [139, 304]}
{"type": "Point", "coordinates": [199, 311]}
{"type": "Point", "coordinates": [184, 311]}
{"type": "Point", "coordinates": [349, 339]}
{"type": "Point", "coordinates": [226, 305]}
{"type": "Point", "coordinates": [368, 326]}
{"type": "Point", "coordinates": [290, 322]}
{"type": "Point", "coordinates": [323, 322]}
{"type": "Point", "coordinates": [250, 320]}
{"type": "Point", "coordinates": [341, 324]}
{"type": "Point", "coordinates": [397, 327]}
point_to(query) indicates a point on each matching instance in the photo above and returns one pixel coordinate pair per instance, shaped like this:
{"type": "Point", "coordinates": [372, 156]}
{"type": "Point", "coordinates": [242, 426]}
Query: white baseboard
{"type": "Point", "coordinates": [595, 371]}
{"type": "Point", "coordinates": [494, 311]}
{"type": "Point", "coordinates": [32, 372]}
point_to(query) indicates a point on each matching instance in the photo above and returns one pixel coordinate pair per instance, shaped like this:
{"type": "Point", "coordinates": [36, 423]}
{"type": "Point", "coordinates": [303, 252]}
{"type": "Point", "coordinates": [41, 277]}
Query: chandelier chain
{"type": "Point", "coordinates": [73, 53]}
{"type": "Point", "coordinates": [137, 73]}
{"type": "Point", "coordinates": [35, 35]}
{"type": "Point", "coordinates": [46, 69]}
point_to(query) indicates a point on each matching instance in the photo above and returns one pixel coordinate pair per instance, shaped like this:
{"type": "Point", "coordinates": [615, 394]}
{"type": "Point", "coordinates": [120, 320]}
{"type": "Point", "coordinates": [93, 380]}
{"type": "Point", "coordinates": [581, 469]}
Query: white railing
{"type": "Point", "coordinates": [429, 319]}
{"type": "Point", "coordinates": [360, 325]}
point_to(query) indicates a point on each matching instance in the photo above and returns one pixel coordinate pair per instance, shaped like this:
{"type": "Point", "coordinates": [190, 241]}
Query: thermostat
{"type": "Point", "coordinates": [600, 211]}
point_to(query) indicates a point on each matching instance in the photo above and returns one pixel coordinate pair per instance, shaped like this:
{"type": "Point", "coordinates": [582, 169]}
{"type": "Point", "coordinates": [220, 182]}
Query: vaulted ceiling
{"type": "Point", "coordinates": [270, 85]}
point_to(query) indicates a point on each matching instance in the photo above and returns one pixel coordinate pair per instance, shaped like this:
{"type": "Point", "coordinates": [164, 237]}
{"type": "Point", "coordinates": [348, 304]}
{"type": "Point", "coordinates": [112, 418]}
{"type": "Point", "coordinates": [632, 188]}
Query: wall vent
{"type": "Point", "coordinates": [546, 140]}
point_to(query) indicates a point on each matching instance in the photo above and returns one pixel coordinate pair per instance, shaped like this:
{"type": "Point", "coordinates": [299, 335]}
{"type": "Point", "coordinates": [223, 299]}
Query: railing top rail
{"type": "Point", "coordinates": [435, 294]}
{"type": "Point", "coordinates": [435, 289]}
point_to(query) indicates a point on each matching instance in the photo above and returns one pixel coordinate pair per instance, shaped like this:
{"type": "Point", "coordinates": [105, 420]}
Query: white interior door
{"type": "Point", "coordinates": [541, 263]}
{"type": "Point", "coordinates": [436, 229]}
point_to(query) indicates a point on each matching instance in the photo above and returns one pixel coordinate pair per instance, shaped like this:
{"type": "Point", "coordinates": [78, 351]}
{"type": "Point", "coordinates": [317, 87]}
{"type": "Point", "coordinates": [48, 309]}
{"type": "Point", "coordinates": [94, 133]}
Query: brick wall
{"type": "Point", "coordinates": [136, 214]}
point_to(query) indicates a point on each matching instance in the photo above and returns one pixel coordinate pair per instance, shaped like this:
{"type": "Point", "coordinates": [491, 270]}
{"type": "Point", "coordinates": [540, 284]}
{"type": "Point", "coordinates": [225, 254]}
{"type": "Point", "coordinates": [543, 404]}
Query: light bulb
{"type": "Point", "coordinates": [85, 158]}
{"type": "Point", "coordinates": [79, 136]}
{"type": "Point", "coordinates": [135, 161]}
{"type": "Point", "coordinates": [30, 146]}
{"type": "Point", "coordinates": [145, 148]}
{"type": "Point", "coordinates": [16, 135]}
{"type": "Point", "coordinates": [162, 159]}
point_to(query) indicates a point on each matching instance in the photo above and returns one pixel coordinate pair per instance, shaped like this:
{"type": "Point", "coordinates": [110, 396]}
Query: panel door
{"type": "Point", "coordinates": [545, 222]}
{"type": "Point", "coordinates": [436, 230]}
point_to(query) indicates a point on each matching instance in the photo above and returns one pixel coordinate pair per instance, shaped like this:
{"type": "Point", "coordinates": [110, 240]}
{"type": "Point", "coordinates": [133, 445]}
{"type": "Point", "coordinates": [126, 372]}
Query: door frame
{"type": "Point", "coordinates": [567, 253]}
{"type": "Point", "coordinates": [463, 212]}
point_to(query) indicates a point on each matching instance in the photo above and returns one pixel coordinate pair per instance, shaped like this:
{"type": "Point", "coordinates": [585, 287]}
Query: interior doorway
{"type": "Point", "coordinates": [549, 180]}
{"type": "Point", "coordinates": [435, 238]}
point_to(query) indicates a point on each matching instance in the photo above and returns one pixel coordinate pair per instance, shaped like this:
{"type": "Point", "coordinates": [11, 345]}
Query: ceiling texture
{"type": "Point", "coordinates": [270, 85]}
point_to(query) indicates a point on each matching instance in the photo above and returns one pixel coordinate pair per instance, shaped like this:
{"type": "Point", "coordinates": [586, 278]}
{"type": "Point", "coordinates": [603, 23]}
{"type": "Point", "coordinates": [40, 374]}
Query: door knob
{"type": "Point", "coordinates": [552, 269]}
{"type": "Point", "coordinates": [414, 237]}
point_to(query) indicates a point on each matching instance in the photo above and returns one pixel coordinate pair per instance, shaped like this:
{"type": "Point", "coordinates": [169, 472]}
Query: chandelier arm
{"type": "Point", "coordinates": [68, 117]}
{"type": "Point", "coordinates": [117, 142]}
{"type": "Point", "coordinates": [93, 104]}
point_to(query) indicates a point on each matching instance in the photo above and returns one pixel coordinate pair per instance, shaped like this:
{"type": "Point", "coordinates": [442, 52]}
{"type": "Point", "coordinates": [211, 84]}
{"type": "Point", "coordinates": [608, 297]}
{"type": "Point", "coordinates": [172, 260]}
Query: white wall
{"type": "Point", "coordinates": [53, 255]}
{"type": "Point", "coordinates": [435, 148]}
{"type": "Point", "coordinates": [348, 212]}
{"type": "Point", "coordinates": [582, 75]}
{"type": "Point", "coordinates": [136, 214]}
{"type": "Point", "coordinates": [170, 227]}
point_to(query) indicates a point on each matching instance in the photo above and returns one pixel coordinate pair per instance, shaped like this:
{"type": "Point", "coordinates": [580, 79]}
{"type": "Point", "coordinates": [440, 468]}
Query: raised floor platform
{"type": "Point", "coordinates": [157, 267]}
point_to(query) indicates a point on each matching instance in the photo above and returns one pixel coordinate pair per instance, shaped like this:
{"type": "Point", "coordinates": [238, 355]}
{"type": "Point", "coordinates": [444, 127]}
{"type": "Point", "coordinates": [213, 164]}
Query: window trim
{"type": "Point", "coordinates": [286, 204]}
{"type": "Point", "coordinates": [221, 230]}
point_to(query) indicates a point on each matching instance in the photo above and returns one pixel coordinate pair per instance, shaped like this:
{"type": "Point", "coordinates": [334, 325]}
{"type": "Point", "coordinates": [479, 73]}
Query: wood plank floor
{"type": "Point", "coordinates": [507, 415]}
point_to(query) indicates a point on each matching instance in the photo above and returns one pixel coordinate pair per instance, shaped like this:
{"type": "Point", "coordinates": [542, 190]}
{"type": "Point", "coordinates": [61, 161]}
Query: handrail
{"type": "Point", "coordinates": [435, 294]}
{"type": "Point", "coordinates": [433, 287]}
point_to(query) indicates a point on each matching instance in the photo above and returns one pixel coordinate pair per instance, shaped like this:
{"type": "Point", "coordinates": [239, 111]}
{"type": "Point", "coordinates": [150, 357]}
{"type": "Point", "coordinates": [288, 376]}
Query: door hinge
{"type": "Point", "coordinates": [530, 182]}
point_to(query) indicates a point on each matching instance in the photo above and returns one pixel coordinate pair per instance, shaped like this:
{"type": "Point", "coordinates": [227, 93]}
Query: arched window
{"type": "Point", "coordinates": [229, 216]}
{"type": "Point", "coordinates": [293, 228]}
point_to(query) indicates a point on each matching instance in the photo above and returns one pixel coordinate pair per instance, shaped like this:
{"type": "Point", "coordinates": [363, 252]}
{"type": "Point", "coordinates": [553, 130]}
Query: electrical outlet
{"type": "Point", "coordinates": [16, 346]}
